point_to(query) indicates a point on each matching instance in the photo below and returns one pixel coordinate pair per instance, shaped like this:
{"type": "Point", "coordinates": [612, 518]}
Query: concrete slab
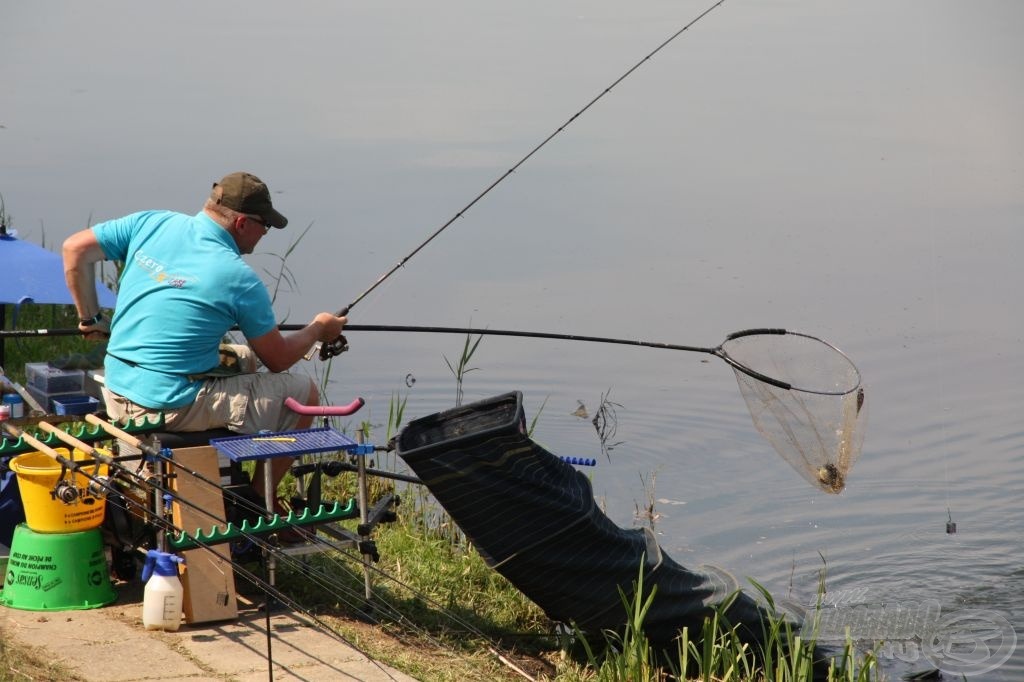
{"type": "Point", "coordinates": [109, 644]}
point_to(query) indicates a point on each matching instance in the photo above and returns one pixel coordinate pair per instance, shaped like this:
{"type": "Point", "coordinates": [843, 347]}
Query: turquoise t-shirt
{"type": "Point", "coordinates": [184, 285]}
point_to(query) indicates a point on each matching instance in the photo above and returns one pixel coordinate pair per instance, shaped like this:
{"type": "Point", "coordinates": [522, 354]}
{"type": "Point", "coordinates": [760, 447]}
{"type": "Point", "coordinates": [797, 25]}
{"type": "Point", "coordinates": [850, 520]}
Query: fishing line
{"type": "Point", "coordinates": [943, 422]}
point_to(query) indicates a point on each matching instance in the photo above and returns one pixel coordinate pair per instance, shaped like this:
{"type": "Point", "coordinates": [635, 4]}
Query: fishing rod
{"type": "Point", "coordinates": [317, 573]}
{"type": "Point", "coordinates": [337, 346]}
{"type": "Point", "coordinates": [104, 484]}
{"type": "Point", "coordinates": [797, 366]}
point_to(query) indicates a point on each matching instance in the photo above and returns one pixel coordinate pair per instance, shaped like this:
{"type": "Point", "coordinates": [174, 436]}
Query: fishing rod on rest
{"type": "Point", "coordinates": [323, 579]}
{"type": "Point", "coordinates": [241, 502]}
{"type": "Point", "coordinates": [317, 574]}
{"type": "Point", "coordinates": [103, 483]}
{"type": "Point", "coordinates": [338, 346]}
{"type": "Point", "coordinates": [102, 456]}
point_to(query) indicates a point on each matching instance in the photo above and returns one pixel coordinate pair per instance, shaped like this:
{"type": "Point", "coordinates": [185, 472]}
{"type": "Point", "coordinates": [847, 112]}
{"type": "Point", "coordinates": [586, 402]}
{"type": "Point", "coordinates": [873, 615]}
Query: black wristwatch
{"type": "Point", "coordinates": [95, 319]}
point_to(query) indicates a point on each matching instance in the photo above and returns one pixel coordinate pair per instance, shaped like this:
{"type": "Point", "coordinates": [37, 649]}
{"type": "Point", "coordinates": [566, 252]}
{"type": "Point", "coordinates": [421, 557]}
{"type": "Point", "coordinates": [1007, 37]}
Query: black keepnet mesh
{"type": "Point", "coordinates": [534, 519]}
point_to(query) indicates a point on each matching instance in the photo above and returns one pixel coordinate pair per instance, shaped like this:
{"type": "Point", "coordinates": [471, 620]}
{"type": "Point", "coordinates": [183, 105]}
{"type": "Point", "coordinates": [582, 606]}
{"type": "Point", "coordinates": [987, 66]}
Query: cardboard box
{"type": "Point", "coordinates": [209, 577]}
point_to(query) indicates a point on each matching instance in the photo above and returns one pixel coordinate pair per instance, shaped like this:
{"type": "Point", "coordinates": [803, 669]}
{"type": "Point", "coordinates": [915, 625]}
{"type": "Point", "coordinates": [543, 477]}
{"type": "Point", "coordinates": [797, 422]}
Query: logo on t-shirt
{"type": "Point", "coordinates": [157, 271]}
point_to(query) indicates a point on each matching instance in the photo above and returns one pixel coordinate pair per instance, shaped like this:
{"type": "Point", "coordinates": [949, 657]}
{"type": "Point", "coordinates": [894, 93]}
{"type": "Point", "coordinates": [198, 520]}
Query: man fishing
{"type": "Point", "coordinates": [184, 284]}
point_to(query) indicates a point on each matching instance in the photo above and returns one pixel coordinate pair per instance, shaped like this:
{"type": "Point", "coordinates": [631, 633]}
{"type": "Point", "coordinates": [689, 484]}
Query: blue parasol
{"type": "Point", "coordinates": [31, 274]}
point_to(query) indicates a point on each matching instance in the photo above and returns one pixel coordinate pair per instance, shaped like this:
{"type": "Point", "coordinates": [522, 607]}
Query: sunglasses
{"type": "Point", "coordinates": [258, 221]}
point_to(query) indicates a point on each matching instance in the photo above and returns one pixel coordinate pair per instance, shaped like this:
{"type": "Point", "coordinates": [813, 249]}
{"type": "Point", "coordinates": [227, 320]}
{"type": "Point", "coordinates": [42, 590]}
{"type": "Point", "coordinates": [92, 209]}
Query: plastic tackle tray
{"type": "Point", "coordinates": [75, 404]}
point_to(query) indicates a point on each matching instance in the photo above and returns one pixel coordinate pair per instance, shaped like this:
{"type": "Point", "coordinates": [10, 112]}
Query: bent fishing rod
{"type": "Point", "coordinates": [337, 346]}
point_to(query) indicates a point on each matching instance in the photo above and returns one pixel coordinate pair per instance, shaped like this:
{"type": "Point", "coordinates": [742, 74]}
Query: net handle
{"type": "Point", "coordinates": [717, 351]}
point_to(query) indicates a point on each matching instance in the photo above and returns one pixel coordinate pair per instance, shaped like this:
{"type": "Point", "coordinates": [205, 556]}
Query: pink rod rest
{"type": "Point", "coordinates": [324, 410]}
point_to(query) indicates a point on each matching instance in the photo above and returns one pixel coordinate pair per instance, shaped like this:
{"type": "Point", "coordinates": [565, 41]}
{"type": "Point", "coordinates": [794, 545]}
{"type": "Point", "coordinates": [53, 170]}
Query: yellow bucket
{"type": "Point", "coordinates": [57, 500]}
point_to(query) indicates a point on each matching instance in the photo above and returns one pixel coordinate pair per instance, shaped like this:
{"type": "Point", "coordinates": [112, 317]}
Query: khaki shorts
{"type": "Point", "coordinates": [244, 403]}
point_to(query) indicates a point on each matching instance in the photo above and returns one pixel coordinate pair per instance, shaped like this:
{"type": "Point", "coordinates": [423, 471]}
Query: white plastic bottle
{"type": "Point", "coordinates": [16, 405]}
{"type": "Point", "coordinates": [162, 598]}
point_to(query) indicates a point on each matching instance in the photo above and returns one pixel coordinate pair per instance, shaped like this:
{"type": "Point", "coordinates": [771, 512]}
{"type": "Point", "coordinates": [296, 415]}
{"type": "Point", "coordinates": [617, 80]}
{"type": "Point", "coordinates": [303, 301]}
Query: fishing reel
{"type": "Point", "coordinates": [98, 486]}
{"type": "Point", "coordinates": [333, 348]}
{"type": "Point", "coordinates": [66, 491]}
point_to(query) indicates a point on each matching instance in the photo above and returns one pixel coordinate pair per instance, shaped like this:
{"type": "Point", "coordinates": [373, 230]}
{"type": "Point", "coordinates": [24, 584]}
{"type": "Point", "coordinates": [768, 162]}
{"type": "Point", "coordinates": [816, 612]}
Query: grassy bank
{"type": "Point", "coordinates": [453, 618]}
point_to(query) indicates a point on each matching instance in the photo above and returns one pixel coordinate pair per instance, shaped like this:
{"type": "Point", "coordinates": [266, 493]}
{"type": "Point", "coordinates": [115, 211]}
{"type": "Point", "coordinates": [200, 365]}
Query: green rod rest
{"type": "Point", "coordinates": [81, 430]}
{"type": "Point", "coordinates": [263, 526]}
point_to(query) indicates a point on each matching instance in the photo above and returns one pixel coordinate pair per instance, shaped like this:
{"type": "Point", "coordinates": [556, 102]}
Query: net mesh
{"type": "Point", "coordinates": [818, 424]}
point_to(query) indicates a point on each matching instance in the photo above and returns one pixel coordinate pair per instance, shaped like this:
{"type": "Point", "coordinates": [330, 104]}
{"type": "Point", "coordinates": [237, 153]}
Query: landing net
{"type": "Point", "coordinates": [814, 414]}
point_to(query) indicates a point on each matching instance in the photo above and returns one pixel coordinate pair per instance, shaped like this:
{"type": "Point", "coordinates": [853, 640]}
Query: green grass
{"type": "Point", "coordinates": [456, 613]}
{"type": "Point", "coordinates": [19, 351]}
{"type": "Point", "coordinates": [461, 367]}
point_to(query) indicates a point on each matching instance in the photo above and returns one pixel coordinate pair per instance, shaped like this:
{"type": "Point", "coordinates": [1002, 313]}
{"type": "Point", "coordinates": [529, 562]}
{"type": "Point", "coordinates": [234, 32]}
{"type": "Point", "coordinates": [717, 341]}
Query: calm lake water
{"type": "Point", "coordinates": [852, 170]}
